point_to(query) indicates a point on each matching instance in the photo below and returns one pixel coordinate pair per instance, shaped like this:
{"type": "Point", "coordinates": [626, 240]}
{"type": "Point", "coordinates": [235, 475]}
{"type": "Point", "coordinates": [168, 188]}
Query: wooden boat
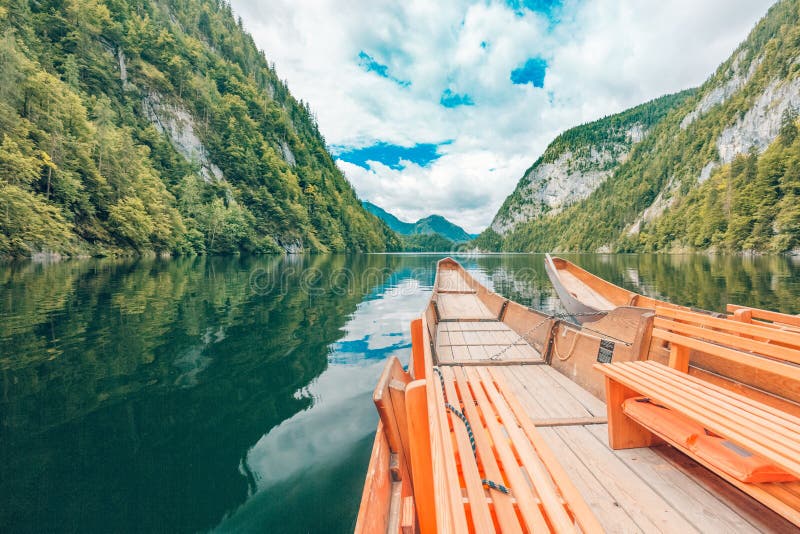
{"type": "Point", "coordinates": [587, 296]}
{"type": "Point", "coordinates": [509, 420]}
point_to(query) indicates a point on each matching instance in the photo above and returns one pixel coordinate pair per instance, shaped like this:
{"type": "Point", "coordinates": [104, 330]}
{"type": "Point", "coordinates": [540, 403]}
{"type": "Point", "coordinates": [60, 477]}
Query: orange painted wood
{"type": "Point", "coordinates": [771, 366]}
{"type": "Point", "coordinates": [488, 447]}
{"type": "Point", "coordinates": [389, 399]}
{"type": "Point", "coordinates": [781, 498]}
{"type": "Point", "coordinates": [383, 401]}
{"type": "Point", "coordinates": [761, 412]}
{"type": "Point", "coordinates": [782, 452]}
{"type": "Point", "coordinates": [774, 317]}
{"type": "Point", "coordinates": [501, 459]}
{"type": "Point", "coordinates": [450, 513]}
{"type": "Point", "coordinates": [417, 351]}
{"type": "Point", "coordinates": [479, 509]}
{"type": "Point", "coordinates": [781, 352]}
{"type": "Point", "coordinates": [420, 451]}
{"type": "Point", "coordinates": [679, 358]}
{"type": "Point", "coordinates": [572, 497]}
{"type": "Point", "coordinates": [723, 420]}
{"type": "Point", "coordinates": [373, 514]}
{"type": "Point", "coordinates": [546, 490]}
{"type": "Point", "coordinates": [623, 432]}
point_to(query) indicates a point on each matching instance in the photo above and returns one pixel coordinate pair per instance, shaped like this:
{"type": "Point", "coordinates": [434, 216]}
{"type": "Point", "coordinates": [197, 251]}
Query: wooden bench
{"type": "Point", "coordinates": [737, 422]}
{"type": "Point", "coordinates": [761, 317]}
{"type": "Point", "coordinates": [508, 451]}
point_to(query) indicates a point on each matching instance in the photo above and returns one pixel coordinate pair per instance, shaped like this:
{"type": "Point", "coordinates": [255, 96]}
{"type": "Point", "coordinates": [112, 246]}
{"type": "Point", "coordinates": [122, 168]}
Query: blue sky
{"type": "Point", "coordinates": [439, 107]}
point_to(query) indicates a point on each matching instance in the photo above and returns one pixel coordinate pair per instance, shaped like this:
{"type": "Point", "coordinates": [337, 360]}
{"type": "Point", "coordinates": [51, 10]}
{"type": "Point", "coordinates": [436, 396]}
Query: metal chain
{"type": "Point", "coordinates": [554, 315]}
{"type": "Point", "coordinates": [458, 413]}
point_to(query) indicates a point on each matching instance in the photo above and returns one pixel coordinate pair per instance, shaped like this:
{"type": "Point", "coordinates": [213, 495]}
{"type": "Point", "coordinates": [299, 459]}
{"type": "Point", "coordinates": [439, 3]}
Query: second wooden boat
{"type": "Point", "coordinates": [586, 296]}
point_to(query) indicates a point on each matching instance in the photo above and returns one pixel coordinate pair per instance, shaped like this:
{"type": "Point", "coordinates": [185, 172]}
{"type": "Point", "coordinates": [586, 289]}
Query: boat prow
{"type": "Point", "coordinates": [586, 296]}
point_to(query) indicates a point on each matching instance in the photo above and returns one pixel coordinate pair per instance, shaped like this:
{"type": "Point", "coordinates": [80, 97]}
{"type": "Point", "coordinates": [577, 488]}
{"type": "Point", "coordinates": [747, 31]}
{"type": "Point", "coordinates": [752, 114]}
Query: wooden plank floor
{"type": "Point", "coordinates": [482, 341]}
{"type": "Point", "coordinates": [636, 490]}
{"type": "Point", "coordinates": [462, 307]}
{"type": "Point", "coordinates": [451, 281]}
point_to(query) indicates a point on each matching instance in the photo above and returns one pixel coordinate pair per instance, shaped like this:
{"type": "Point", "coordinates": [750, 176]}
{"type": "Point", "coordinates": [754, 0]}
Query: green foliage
{"type": "Point", "coordinates": [749, 204]}
{"type": "Point", "coordinates": [77, 138]}
{"type": "Point", "coordinates": [431, 242]}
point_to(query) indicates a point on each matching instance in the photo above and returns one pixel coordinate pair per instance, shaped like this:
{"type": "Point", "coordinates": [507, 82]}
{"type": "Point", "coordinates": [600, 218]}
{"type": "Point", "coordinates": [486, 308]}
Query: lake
{"type": "Point", "coordinates": [233, 394]}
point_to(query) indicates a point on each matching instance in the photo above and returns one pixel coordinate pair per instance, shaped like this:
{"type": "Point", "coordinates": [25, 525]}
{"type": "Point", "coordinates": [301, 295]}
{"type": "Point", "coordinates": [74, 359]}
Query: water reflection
{"type": "Point", "coordinates": [234, 393]}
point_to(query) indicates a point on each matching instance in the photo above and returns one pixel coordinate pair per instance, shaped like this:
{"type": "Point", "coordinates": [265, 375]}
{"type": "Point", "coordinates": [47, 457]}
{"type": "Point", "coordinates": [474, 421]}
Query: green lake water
{"type": "Point", "coordinates": [233, 394]}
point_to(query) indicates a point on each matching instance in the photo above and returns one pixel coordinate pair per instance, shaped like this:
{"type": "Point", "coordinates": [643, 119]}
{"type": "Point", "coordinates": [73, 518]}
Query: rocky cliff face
{"type": "Point", "coordinates": [577, 163]}
{"type": "Point", "coordinates": [693, 178]}
{"type": "Point", "coordinates": [547, 188]}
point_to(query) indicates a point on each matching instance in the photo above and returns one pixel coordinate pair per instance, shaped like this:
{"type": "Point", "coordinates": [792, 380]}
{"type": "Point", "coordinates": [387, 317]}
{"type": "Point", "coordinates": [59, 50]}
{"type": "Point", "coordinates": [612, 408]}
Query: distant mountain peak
{"type": "Point", "coordinates": [432, 224]}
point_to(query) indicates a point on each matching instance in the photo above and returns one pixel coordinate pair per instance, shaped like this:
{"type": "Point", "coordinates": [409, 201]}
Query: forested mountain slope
{"type": "Point", "coordinates": [720, 171]}
{"type": "Point", "coordinates": [131, 125]}
{"type": "Point", "coordinates": [432, 224]}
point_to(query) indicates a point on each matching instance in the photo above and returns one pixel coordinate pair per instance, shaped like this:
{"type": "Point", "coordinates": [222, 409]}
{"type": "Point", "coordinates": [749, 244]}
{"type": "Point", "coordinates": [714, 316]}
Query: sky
{"type": "Point", "coordinates": [440, 106]}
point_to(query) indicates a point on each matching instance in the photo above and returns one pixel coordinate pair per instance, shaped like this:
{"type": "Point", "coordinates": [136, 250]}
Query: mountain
{"type": "Point", "coordinates": [134, 127]}
{"type": "Point", "coordinates": [715, 168]}
{"type": "Point", "coordinates": [403, 228]}
{"type": "Point", "coordinates": [433, 224]}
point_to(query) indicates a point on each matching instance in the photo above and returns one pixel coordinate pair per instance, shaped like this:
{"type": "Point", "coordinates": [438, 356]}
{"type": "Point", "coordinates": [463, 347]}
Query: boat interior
{"type": "Point", "coordinates": [509, 420]}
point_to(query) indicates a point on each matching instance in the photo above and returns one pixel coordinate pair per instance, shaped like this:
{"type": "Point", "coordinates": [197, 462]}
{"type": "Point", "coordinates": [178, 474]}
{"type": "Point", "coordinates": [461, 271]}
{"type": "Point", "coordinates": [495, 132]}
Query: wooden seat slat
{"type": "Point", "coordinates": [450, 514]}
{"type": "Point", "coordinates": [765, 364]}
{"type": "Point", "coordinates": [724, 404]}
{"type": "Point", "coordinates": [727, 421]}
{"type": "Point", "coordinates": [775, 317]}
{"type": "Point", "coordinates": [766, 331]}
{"type": "Point", "coordinates": [775, 452]}
{"type": "Point", "coordinates": [574, 500]}
{"type": "Point", "coordinates": [766, 429]}
{"type": "Point", "coordinates": [766, 349]}
{"type": "Point", "coordinates": [542, 483]}
{"type": "Point", "coordinates": [728, 398]}
{"type": "Point", "coordinates": [521, 490]}
{"type": "Point", "coordinates": [479, 509]}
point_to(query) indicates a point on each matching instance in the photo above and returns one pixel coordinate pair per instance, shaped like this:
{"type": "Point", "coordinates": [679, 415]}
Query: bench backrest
{"type": "Point", "coordinates": [764, 317]}
{"type": "Point", "coordinates": [760, 347]}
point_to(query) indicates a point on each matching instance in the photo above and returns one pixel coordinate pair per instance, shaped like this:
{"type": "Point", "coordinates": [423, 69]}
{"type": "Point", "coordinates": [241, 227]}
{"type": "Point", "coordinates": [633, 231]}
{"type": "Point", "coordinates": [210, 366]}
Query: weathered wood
{"type": "Point", "coordinates": [694, 502]}
{"type": "Point", "coordinates": [462, 307]}
{"type": "Point", "coordinates": [648, 509]}
{"type": "Point", "coordinates": [762, 518]}
{"type": "Point", "coordinates": [407, 517]}
{"type": "Point", "coordinates": [570, 421]}
{"type": "Point", "coordinates": [491, 363]}
{"type": "Point", "coordinates": [373, 515]}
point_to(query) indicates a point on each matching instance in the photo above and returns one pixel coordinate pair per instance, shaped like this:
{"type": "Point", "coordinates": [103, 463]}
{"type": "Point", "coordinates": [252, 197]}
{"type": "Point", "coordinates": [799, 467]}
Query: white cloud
{"type": "Point", "coordinates": [604, 56]}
